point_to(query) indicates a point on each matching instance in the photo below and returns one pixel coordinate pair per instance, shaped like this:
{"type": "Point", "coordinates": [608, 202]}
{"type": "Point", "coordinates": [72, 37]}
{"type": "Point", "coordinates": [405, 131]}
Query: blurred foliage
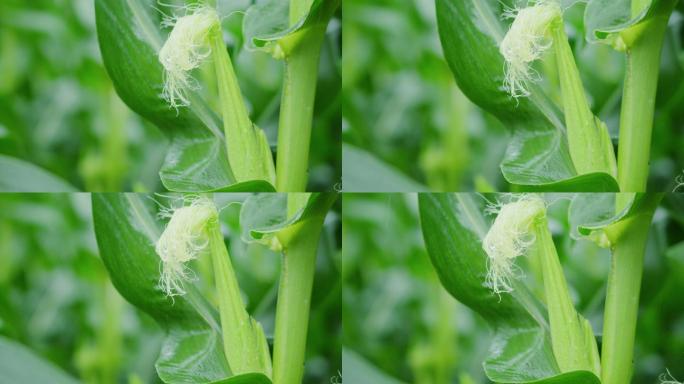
{"type": "Point", "coordinates": [396, 314]}
{"type": "Point", "coordinates": [56, 297]}
{"type": "Point", "coordinates": [59, 110]}
{"type": "Point", "coordinates": [402, 105]}
{"type": "Point", "coordinates": [399, 320]}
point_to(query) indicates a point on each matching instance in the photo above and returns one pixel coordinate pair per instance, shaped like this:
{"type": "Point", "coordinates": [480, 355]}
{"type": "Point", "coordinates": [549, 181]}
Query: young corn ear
{"type": "Point", "coordinates": [521, 228]}
{"type": "Point", "coordinates": [186, 49]}
{"type": "Point", "coordinates": [525, 42]}
{"type": "Point", "coordinates": [192, 231]}
{"type": "Point", "coordinates": [183, 240]}
{"type": "Point", "coordinates": [509, 237]}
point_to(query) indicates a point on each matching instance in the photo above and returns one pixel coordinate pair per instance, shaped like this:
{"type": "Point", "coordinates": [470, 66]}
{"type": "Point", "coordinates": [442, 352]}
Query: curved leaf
{"type": "Point", "coordinates": [605, 19]}
{"type": "Point", "coordinates": [20, 176]}
{"type": "Point", "coordinates": [249, 378]}
{"type": "Point", "coordinates": [453, 227]}
{"type": "Point", "coordinates": [126, 232]}
{"type": "Point", "coordinates": [359, 371]}
{"type": "Point", "coordinates": [193, 164]}
{"type": "Point", "coordinates": [130, 36]}
{"type": "Point", "coordinates": [591, 214]}
{"type": "Point", "coordinates": [263, 215]}
{"type": "Point", "coordinates": [363, 172]}
{"type": "Point", "coordinates": [538, 155]}
{"type": "Point", "coordinates": [268, 21]}
{"type": "Point", "coordinates": [19, 364]}
{"type": "Point", "coordinates": [597, 181]}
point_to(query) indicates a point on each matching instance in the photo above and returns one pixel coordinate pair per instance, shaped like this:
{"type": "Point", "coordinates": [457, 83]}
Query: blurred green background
{"type": "Point", "coordinates": [400, 325]}
{"type": "Point", "coordinates": [56, 298]}
{"type": "Point", "coordinates": [59, 111]}
{"type": "Point", "coordinates": [407, 126]}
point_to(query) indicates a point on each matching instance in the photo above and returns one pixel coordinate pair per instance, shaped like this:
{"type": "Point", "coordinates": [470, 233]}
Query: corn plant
{"type": "Point", "coordinates": [539, 336]}
{"type": "Point", "coordinates": [171, 65]}
{"type": "Point", "coordinates": [493, 49]}
{"type": "Point", "coordinates": [182, 275]}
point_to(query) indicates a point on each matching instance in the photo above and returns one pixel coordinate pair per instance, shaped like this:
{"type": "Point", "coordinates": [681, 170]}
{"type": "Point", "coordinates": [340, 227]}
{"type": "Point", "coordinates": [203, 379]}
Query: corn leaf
{"type": "Point", "coordinates": [268, 21]}
{"type": "Point", "coordinates": [453, 227]}
{"type": "Point", "coordinates": [20, 176]}
{"type": "Point", "coordinates": [18, 364]}
{"type": "Point", "coordinates": [363, 172]}
{"type": "Point", "coordinates": [605, 19]}
{"type": "Point", "coordinates": [537, 157]}
{"type": "Point", "coordinates": [264, 215]}
{"type": "Point", "coordinates": [593, 215]}
{"type": "Point", "coordinates": [358, 370]}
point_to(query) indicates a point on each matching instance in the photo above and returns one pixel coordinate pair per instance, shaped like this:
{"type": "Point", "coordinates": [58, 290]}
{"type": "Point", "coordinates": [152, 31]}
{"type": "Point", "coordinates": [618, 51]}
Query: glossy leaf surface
{"type": "Point", "coordinates": [126, 231]}
{"type": "Point", "coordinates": [537, 157]}
{"type": "Point", "coordinates": [453, 226]}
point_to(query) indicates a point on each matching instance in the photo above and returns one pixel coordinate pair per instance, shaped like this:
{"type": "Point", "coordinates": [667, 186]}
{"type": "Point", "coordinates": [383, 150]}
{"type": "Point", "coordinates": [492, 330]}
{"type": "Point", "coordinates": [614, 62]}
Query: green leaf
{"type": "Point", "coordinates": [264, 215]}
{"type": "Point", "coordinates": [130, 36]}
{"type": "Point", "coordinates": [359, 371]}
{"type": "Point", "coordinates": [248, 378]}
{"type": "Point", "coordinates": [362, 172]}
{"type": "Point", "coordinates": [592, 212]}
{"type": "Point", "coordinates": [19, 364]}
{"type": "Point", "coordinates": [194, 164]}
{"type": "Point", "coordinates": [126, 232]}
{"type": "Point", "coordinates": [268, 21]}
{"type": "Point", "coordinates": [537, 156]}
{"type": "Point", "coordinates": [597, 181]}
{"type": "Point", "coordinates": [605, 19]}
{"type": "Point", "coordinates": [453, 228]}
{"type": "Point", "coordinates": [20, 176]}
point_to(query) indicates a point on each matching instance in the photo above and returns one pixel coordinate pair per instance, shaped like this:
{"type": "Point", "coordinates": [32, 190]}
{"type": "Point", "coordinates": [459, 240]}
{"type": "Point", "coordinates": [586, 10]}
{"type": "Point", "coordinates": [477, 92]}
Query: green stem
{"type": "Point", "coordinates": [249, 154]}
{"type": "Point", "coordinates": [296, 109]}
{"type": "Point", "coordinates": [638, 99]}
{"type": "Point", "coordinates": [300, 243]}
{"type": "Point", "coordinates": [244, 342]}
{"type": "Point", "coordinates": [622, 300]}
